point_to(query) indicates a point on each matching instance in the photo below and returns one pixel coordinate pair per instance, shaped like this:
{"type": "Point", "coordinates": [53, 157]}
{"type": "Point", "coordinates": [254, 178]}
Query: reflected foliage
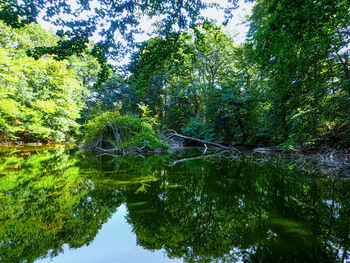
{"type": "Point", "coordinates": [240, 211]}
{"type": "Point", "coordinates": [202, 210]}
{"type": "Point", "coordinates": [47, 202]}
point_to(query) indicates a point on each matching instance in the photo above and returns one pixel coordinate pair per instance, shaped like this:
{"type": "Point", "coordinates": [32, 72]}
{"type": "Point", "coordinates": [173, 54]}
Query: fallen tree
{"type": "Point", "coordinates": [204, 142]}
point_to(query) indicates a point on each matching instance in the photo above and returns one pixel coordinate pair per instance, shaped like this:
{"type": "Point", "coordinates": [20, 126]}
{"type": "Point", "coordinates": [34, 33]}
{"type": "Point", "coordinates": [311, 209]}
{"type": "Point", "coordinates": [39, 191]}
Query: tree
{"type": "Point", "coordinates": [206, 87]}
{"type": "Point", "coordinates": [302, 50]}
{"type": "Point", "coordinates": [40, 99]}
{"type": "Point", "coordinates": [108, 18]}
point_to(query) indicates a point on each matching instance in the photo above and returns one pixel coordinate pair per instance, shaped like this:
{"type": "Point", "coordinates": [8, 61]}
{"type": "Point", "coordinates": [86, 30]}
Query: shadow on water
{"type": "Point", "coordinates": [200, 210]}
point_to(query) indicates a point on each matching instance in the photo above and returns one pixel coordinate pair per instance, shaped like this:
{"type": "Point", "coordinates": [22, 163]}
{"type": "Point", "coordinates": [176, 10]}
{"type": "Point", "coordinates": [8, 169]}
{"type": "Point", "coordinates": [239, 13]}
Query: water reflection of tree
{"type": "Point", "coordinates": [223, 212]}
{"type": "Point", "coordinates": [199, 210]}
{"type": "Point", "coordinates": [46, 203]}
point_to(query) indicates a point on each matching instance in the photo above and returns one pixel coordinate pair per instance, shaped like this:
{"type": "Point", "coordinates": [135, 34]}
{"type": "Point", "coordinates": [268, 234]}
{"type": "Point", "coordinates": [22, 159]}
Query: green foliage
{"type": "Point", "coordinates": [107, 19]}
{"type": "Point", "coordinates": [40, 100]}
{"type": "Point", "coordinates": [146, 115]}
{"type": "Point", "coordinates": [207, 87]}
{"type": "Point", "coordinates": [302, 51]}
{"type": "Point", "coordinates": [121, 133]}
{"type": "Point", "coordinates": [273, 89]}
{"type": "Point", "coordinates": [195, 127]}
{"type": "Point", "coordinates": [289, 83]}
{"type": "Point", "coordinates": [46, 202]}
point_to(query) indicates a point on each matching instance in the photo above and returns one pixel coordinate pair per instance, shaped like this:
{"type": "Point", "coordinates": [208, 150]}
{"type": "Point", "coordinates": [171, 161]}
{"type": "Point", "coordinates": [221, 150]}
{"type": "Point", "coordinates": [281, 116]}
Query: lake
{"type": "Point", "coordinates": [61, 205]}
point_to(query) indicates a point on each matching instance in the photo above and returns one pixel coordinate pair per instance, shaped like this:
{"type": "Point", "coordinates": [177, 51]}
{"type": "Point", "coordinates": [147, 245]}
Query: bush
{"type": "Point", "coordinates": [111, 131]}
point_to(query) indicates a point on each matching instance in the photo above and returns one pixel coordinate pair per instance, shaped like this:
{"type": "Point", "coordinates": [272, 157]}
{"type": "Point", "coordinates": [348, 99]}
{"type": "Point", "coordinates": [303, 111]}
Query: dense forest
{"type": "Point", "coordinates": [100, 99]}
{"type": "Point", "coordinates": [288, 84]}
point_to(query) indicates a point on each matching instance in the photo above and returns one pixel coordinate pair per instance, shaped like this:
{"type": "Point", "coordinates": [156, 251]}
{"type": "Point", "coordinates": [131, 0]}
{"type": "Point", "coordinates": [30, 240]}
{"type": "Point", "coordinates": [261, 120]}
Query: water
{"type": "Point", "coordinates": [60, 205]}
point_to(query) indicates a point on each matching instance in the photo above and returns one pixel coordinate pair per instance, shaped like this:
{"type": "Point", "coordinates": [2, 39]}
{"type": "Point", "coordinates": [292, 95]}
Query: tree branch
{"type": "Point", "coordinates": [175, 134]}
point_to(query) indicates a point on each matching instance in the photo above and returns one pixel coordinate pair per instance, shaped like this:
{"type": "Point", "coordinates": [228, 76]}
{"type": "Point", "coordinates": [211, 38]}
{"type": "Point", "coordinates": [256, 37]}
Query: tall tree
{"type": "Point", "coordinates": [205, 87]}
{"type": "Point", "coordinates": [39, 99]}
{"type": "Point", "coordinates": [303, 50]}
{"type": "Point", "coordinates": [113, 20]}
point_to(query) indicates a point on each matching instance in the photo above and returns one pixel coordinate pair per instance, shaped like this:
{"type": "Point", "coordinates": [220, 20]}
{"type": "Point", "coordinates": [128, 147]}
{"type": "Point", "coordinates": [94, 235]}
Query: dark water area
{"type": "Point", "coordinates": [62, 205]}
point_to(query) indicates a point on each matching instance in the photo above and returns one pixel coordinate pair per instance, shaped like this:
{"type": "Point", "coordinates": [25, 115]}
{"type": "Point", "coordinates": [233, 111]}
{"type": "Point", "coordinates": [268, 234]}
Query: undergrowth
{"type": "Point", "coordinates": [111, 131]}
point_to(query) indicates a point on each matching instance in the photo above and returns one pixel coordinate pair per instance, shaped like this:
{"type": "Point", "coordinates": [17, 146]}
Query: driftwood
{"type": "Point", "coordinates": [204, 142]}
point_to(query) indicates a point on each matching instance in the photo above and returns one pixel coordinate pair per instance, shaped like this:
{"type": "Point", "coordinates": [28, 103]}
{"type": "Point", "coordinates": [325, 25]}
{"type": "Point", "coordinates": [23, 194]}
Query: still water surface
{"type": "Point", "coordinates": [61, 205]}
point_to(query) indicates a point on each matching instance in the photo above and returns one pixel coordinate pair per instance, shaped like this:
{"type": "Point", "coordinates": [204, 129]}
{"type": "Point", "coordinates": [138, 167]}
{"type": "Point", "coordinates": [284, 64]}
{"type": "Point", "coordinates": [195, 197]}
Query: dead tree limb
{"type": "Point", "coordinates": [175, 134]}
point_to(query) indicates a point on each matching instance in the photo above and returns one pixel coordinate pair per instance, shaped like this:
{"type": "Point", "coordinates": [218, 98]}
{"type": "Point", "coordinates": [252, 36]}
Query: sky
{"type": "Point", "coordinates": [235, 26]}
{"type": "Point", "coordinates": [115, 242]}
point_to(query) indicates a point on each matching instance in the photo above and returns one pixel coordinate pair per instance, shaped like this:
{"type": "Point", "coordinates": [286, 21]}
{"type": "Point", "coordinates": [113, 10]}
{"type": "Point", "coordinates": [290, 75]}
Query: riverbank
{"type": "Point", "coordinates": [332, 161]}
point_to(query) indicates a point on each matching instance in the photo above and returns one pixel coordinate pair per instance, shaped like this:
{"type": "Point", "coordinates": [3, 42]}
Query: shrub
{"type": "Point", "coordinates": [111, 131]}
